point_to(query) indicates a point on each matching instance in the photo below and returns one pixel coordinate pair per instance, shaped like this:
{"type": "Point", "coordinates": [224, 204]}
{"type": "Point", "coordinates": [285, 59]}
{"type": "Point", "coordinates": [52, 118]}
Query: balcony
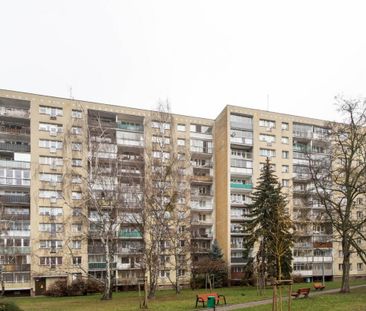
{"type": "Point", "coordinates": [15, 147]}
{"type": "Point", "coordinates": [323, 245]}
{"type": "Point", "coordinates": [198, 222]}
{"type": "Point", "coordinates": [130, 142]}
{"type": "Point", "coordinates": [241, 186]}
{"type": "Point", "coordinates": [12, 268]}
{"type": "Point", "coordinates": [304, 135]}
{"type": "Point", "coordinates": [241, 171]}
{"type": "Point", "coordinates": [130, 127]}
{"type": "Point", "coordinates": [130, 234]}
{"type": "Point", "coordinates": [14, 182]}
{"type": "Point", "coordinates": [14, 112]}
{"type": "Point", "coordinates": [238, 260]}
{"type": "Point", "coordinates": [301, 177]}
{"type": "Point", "coordinates": [14, 164]}
{"type": "Point", "coordinates": [13, 250]}
{"type": "Point", "coordinates": [100, 265]}
{"type": "Point", "coordinates": [241, 141]}
{"type": "Point", "coordinates": [202, 179]}
{"type": "Point", "coordinates": [16, 199]}
{"type": "Point", "coordinates": [202, 150]}
{"type": "Point", "coordinates": [202, 236]}
{"type": "Point", "coordinates": [17, 233]}
{"type": "Point", "coordinates": [240, 202]}
{"type": "Point", "coordinates": [14, 131]}
{"type": "Point", "coordinates": [199, 207]}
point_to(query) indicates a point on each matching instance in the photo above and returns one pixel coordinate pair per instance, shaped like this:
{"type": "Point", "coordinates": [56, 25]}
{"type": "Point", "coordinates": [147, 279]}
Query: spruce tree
{"type": "Point", "coordinates": [269, 229]}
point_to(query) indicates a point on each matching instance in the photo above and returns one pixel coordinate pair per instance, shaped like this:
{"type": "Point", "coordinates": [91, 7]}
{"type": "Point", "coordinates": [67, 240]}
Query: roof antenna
{"type": "Point", "coordinates": [267, 102]}
{"type": "Point", "coordinates": [70, 93]}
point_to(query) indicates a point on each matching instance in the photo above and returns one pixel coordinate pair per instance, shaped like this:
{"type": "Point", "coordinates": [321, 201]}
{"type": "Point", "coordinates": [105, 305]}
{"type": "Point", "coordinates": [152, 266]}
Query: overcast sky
{"type": "Point", "coordinates": [201, 55]}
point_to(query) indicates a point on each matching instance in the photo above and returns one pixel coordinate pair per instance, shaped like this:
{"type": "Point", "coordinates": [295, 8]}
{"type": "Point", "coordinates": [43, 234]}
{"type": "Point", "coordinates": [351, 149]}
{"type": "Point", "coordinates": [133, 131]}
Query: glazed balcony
{"type": "Point", "coordinates": [13, 250]}
{"type": "Point", "coordinates": [15, 147]}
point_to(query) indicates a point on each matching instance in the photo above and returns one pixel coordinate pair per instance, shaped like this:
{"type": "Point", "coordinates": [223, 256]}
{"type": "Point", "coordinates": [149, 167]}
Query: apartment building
{"type": "Point", "coordinates": [43, 157]}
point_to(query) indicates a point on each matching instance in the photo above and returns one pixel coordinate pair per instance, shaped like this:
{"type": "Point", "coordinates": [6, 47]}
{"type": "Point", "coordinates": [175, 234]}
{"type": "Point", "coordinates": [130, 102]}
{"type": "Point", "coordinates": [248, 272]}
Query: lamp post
{"type": "Point", "coordinates": [323, 275]}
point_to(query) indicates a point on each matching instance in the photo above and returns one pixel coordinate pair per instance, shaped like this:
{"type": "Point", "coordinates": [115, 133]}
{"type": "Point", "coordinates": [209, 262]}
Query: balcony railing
{"type": "Point", "coordinates": [130, 142]}
{"type": "Point", "coordinates": [15, 147]}
{"type": "Point", "coordinates": [130, 127]}
{"type": "Point", "coordinates": [14, 181]}
{"type": "Point", "coordinates": [129, 234]}
{"type": "Point", "coordinates": [14, 131]}
{"type": "Point", "coordinates": [17, 199]}
{"type": "Point", "coordinates": [14, 164]}
{"type": "Point", "coordinates": [100, 265]}
{"type": "Point", "coordinates": [15, 113]}
{"type": "Point", "coordinates": [12, 268]}
{"type": "Point", "coordinates": [241, 141]}
{"type": "Point", "coordinates": [12, 250]}
{"type": "Point", "coordinates": [241, 186]}
{"type": "Point", "coordinates": [206, 150]}
{"type": "Point", "coordinates": [241, 171]}
{"type": "Point", "coordinates": [238, 260]}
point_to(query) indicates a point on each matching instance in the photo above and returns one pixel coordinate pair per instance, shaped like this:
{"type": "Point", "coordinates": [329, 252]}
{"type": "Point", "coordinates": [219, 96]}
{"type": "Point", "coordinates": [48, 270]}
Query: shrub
{"type": "Point", "coordinates": [94, 286]}
{"type": "Point", "coordinates": [297, 278]}
{"type": "Point", "coordinates": [57, 289]}
{"type": "Point", "coordinates": [77, 288]}
{"type": "Point", "coordinates": [9, 306]}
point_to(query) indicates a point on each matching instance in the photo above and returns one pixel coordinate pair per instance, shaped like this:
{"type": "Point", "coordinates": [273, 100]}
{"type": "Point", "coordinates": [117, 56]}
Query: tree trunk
{"type": "Point", "coordinates": [2, 283]}
{"type": "Point", "coordinates": [107, 293]}
{"type": "Point", "coordinates": [346, 268]}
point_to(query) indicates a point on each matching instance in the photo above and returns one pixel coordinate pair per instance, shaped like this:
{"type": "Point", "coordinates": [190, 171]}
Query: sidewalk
{"type": "Point", "coordinates": [269, 301]}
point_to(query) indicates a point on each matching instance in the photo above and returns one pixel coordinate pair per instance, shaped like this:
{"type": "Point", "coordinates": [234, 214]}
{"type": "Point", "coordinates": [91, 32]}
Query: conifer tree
{"type": "Point", "coordinates": [269, 228]}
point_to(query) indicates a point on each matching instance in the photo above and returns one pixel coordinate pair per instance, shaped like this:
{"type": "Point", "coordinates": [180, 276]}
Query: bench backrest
{"type": "Point", "coordinates": [204, 297]}
{"type": "Point", "coordinates": [303, 290]}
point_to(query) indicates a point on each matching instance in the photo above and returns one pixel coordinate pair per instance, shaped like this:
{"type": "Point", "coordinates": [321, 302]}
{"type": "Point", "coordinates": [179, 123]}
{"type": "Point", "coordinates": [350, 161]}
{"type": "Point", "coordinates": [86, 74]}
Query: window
{"type": "Point", "coordinates": [203, 129]}
{"type": "Point", "coordinates": [76, 244]}
{"type": "Point", "coordinates": [285, 154]}
{"type": "Point", "coordinates": [160, 125]}
{"type": "Point", "coordinates": [285, 169]}
{"type": "Point", "coordinates": [76, 114]}
{"type": "Point", "coordinates": [76, 261]}
{"type": "Point", "coordinates": [51, 111]}
{"type": "Point", "coordinates": [267, 152]}
{"type": "Point", "coordinates": [50, 244]}
{"type": "Point", "coordinates": [161, 140]}
{"type": "Point", "coordinates": [164, 274]}
{"type": "Point", "coordinates": [267, 138]}
{"type": "Point", "coordinates": [76, 179]}
{"type": "Point", "coordinates": [50, 261]}
{"type": "Point", "coordinates": [359, 266]}
{"type": "Point", "coordinates": [181, 127]}
{"type": "Point", "coordinates": [51, 178]}
{"type": "Point", "coordinates": [267, 123]}
{"type": "Point", "coordinates": [76, 130]}
{"type": "Point", "coordinates": [51, 161]}
{"type": "Point", "coordinates": [76, 162]}
{"type": "Point", "coordinates": [75, 195]}
{"type": "Point", "coordinates": [181, 142]}
{"type": "Point", "coordinates": [359, 215]}
{"type": "Point", "coordinates": [76, 227]}
{"type": "Point", "coordinates": [284, 140]}
{"type": "Point", "coordinates": [50, 211]}
{"type": "Point", "coordinates": [285, 182]}
{"type": "Point", "coordinates": [47, 194]}
{"type": "Point", "coordinates": [52, 128]}
{"type": "Point", "coordinates": [76, 212]}
{"type": "Point", "coordinates": [284, 126]}
{"type": "Point", "coordinates": [76, 146]}
{"type": "Point", "coordinates": [52, 144]}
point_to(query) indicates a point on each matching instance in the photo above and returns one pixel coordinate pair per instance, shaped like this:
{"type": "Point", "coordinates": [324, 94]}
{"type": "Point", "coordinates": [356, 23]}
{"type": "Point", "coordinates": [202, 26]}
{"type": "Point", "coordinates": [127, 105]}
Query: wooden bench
{"type": "Point", "coordinates": [204, 298]}
{"type": "Point", "coordinates": [301, 291]}
{"type": "Point", "coordinates": [318, 285]}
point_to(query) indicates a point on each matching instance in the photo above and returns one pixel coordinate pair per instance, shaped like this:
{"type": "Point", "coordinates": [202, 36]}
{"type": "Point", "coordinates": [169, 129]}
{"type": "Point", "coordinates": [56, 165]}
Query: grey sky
{"type": "Point", "coordinates": [202, 55]}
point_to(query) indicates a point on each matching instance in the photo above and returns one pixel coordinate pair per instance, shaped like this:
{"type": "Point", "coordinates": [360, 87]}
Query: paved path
{"type": "Point", "coordinates": [269, 301]}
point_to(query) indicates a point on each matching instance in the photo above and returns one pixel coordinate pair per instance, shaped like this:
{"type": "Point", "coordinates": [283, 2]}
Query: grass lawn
{"type": "Point", "coordinates": [166, 300]}
{"type": "Point", "coordinates": [355, 301]}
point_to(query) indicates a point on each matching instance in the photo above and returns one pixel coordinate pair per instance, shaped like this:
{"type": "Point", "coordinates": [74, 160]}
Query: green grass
{"type": "Point", "coordinates": [165, 300]}
{"type": "Point", "coordinates": [355, 301]}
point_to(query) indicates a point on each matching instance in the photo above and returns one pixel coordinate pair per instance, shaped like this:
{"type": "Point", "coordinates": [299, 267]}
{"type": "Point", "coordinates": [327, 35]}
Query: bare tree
{"type": "Point", "coordinates": [102, 198]}
{"type": "Point", "coordinates": [5, 223]}
{"type": "Point", "coordinates": [166, 215]}
{"type": "Point", "coordinates": [339, 180]}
